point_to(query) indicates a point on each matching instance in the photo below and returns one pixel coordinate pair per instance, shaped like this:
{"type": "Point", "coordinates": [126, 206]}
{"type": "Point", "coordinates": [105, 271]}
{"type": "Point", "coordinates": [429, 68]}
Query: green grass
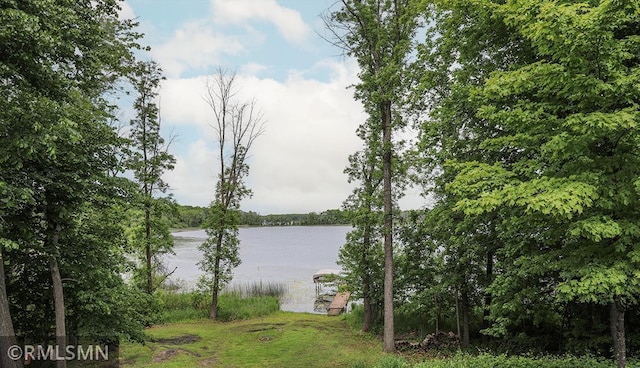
{"type": "Point", "coordinates": [281, 339]}
{"type": "Point", "coordinates": [257, 334]}
{"type": "Point", "coordinates": [285, 339]}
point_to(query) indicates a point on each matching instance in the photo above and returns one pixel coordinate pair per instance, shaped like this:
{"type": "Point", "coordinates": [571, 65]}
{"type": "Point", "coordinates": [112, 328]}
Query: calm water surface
{"type": "Point", "coordinates": [290, 255]}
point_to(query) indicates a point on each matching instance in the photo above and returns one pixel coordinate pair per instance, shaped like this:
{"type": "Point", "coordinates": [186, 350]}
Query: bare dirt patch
{"type": "Point", "coordinates": [164, 355]}
{"type": "Point", "coordinates": [258, 327]}
{"type": "Point", "coordinates": [179, 340]}
{"type": "Point", "coordinates": [211, 362]}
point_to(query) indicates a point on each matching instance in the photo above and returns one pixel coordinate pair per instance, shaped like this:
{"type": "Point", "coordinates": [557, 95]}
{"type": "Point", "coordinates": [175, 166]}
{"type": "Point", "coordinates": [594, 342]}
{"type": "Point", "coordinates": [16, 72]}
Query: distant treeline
{"type": "Point", "coordinates": [193, 216]}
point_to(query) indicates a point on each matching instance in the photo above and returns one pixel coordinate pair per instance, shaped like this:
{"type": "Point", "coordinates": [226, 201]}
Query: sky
{"type": "Point", "coordinates": [298, 79]}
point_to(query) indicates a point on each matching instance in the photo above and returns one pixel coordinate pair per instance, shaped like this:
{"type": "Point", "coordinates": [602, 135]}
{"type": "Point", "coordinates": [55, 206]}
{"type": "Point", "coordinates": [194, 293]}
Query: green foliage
{"type": "Point", "coordinates": [236, 307]}
{"type": "Point", "coordinates": [149, 159]}
{"type": "Point", "coordinates": [193, 306]}
{"type": "Point", "coordinates": [379, 34]}
{"type": "Point", "coordinates": [582, 195]}
{"type": "Point", "coordinates": [392, 361]}
{"type": "Point", "coordinates": [531, 145]}
{"type": "Point", "coordinates": [237, 124]}
{"type": "Point", "coordinates": [220, 250]}
{"type": "Point", "coordinates": [358, 364]}
{"type": "Point", "coordinates": [195, 217]}
{"type": "Point", "coordinates": [188, 217]}
{"type": "Point", "coordinates": [355, 317]}
{"type": "Point", "coordinates": [57, 164]}
{"type": "Point", "coordinates": [182, 307]}
{"type": "Point", "coordinates": [159, 240]}
{"type": "Point", "coordinates": [100, 305]}
{"type": "Point", "coordinates": [489, 361]}
{"type": "Point", "coordinates": [328, 217]}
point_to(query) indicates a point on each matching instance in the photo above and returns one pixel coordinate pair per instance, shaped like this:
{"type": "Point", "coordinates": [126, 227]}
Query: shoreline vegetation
{"type": "Point", "coordinates": [187, 218]}
{"type": "Point", "coordinates": [252, 331]}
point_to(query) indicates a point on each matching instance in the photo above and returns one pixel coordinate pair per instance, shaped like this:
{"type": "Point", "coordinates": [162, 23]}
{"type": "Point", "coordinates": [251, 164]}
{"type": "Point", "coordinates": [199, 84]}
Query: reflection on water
{"type": "Point", "coordinates": [289, 255]}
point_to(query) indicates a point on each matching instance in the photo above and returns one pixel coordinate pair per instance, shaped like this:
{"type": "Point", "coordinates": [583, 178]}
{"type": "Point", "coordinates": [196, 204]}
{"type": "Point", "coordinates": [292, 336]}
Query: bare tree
{"type": "Point", "coordinates": [237, 125]}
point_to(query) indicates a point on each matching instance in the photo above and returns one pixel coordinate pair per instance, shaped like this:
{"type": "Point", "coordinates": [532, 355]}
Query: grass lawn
{"type": "Point", "coordinates": [282, 339]}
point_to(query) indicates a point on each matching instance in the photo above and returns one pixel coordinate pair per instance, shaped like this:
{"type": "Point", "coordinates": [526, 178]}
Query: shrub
{"type": "Point", "coordinates": [355, 317]}
{"type": "Point", "coordinates": [503, 361]}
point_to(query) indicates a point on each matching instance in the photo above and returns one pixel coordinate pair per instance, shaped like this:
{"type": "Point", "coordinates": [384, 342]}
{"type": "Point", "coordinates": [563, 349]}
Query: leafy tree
{"type": "Point", "coordinates": [379, 34]}
{"type": "Point", "coordinates": [463, 46]}
{"type": "Point", "coordinates": [149, 160]}
{"type": "Point", "coordinates": [237, 125]}
{"type": "Point", "coordinates": [361, 255]}
{"type": "Point", "coordinates": [565, 148]}
{"type": "Point", "coordinates": [424, 286]}
{"type": "Point", "coordinates": [101, 306]}
{"type": "Point", "coordinates": [58, 59]}
{"type": "Point", "coordinates": [191, 216]}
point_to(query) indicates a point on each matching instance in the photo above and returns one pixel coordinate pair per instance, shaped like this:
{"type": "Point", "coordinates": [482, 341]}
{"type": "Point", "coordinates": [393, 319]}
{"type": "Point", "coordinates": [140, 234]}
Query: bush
{"type": "Point", "coordinates": [355, 317]}
{"type": "Point", "coordinates": [503, 361]}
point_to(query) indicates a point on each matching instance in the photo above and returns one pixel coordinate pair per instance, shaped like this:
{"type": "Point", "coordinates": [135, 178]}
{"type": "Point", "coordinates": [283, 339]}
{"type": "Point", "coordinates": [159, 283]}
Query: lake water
{"type": "Point", "coordinates": [288, 255]}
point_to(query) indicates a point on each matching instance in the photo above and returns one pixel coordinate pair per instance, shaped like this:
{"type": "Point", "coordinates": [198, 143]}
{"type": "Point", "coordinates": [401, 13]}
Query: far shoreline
{"type": "Point", "coordinates": [185, 229]}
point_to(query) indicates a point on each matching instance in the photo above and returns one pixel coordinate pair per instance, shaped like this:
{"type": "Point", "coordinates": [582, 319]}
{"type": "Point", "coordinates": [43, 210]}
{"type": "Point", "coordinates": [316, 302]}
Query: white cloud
{"type": "Point", "coordinates": [289, 22]}
{"type": "Point", "coordinates": [200, 44]}
{"type": "Point", "coordinates": [297, 164]}
{"type": "Point", "coordinates": [194, 46]}
{"type": "Point", "coordinates": [182, 101]}
{"type": "Point", "coordinates": [193, 178]}
{"type": "Point", "coordinates": [253, 68]}
{"type": "Point", "coordinates": [126, 11]}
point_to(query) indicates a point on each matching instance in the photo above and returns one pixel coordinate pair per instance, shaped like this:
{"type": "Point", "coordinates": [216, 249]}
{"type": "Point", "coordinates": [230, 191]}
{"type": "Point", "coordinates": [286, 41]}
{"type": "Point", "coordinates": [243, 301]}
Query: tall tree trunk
{"type": "Point", "coordinates": [58, 299]}
{"type": "Point", "coordinates": [487, 295]}
{"type": "Point", "coordinates": [366, 278]}
{"type": "Point", "coordinates": [465, 317]}
{"type": "Point", "coordinates": [147, 244]}
{"type": "Point", "coordinates": [436, 303]}
{"type": "Point", "coordinates": [389, 338]}
{"type": "Point", "coordinates": [616, 315]}
{"type": "Point", "coordinates": [457, 313]}
{"type": "Point", "coordinates": [7, 333]}
{"type": "Point", "coordinates": [367, 321]}
{"type": "Point", "coordinates": [213, 312]}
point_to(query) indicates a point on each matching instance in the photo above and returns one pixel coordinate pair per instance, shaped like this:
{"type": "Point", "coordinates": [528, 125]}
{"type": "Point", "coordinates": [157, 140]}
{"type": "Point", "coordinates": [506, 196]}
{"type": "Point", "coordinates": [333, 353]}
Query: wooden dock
{"type": "Point", "coordinates": [339, 304]}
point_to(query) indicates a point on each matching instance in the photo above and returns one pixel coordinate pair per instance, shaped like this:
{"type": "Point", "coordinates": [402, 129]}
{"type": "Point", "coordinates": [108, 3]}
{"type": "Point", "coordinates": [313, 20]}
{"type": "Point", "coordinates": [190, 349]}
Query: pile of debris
{"type": "Point", "coordinates": [441, 341]}
{"type": "Point", "coordinates": [435, 341]}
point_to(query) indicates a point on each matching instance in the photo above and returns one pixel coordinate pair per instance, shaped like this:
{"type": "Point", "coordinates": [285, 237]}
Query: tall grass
{"type": "Point", "coordinates": [182, 306]}
{"type": "Point", "coordinates": [233, 307]}
{"type": "Point", "coordinates": [241, 301]}
{"type": "Point", "coordinates": [258, 288]}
